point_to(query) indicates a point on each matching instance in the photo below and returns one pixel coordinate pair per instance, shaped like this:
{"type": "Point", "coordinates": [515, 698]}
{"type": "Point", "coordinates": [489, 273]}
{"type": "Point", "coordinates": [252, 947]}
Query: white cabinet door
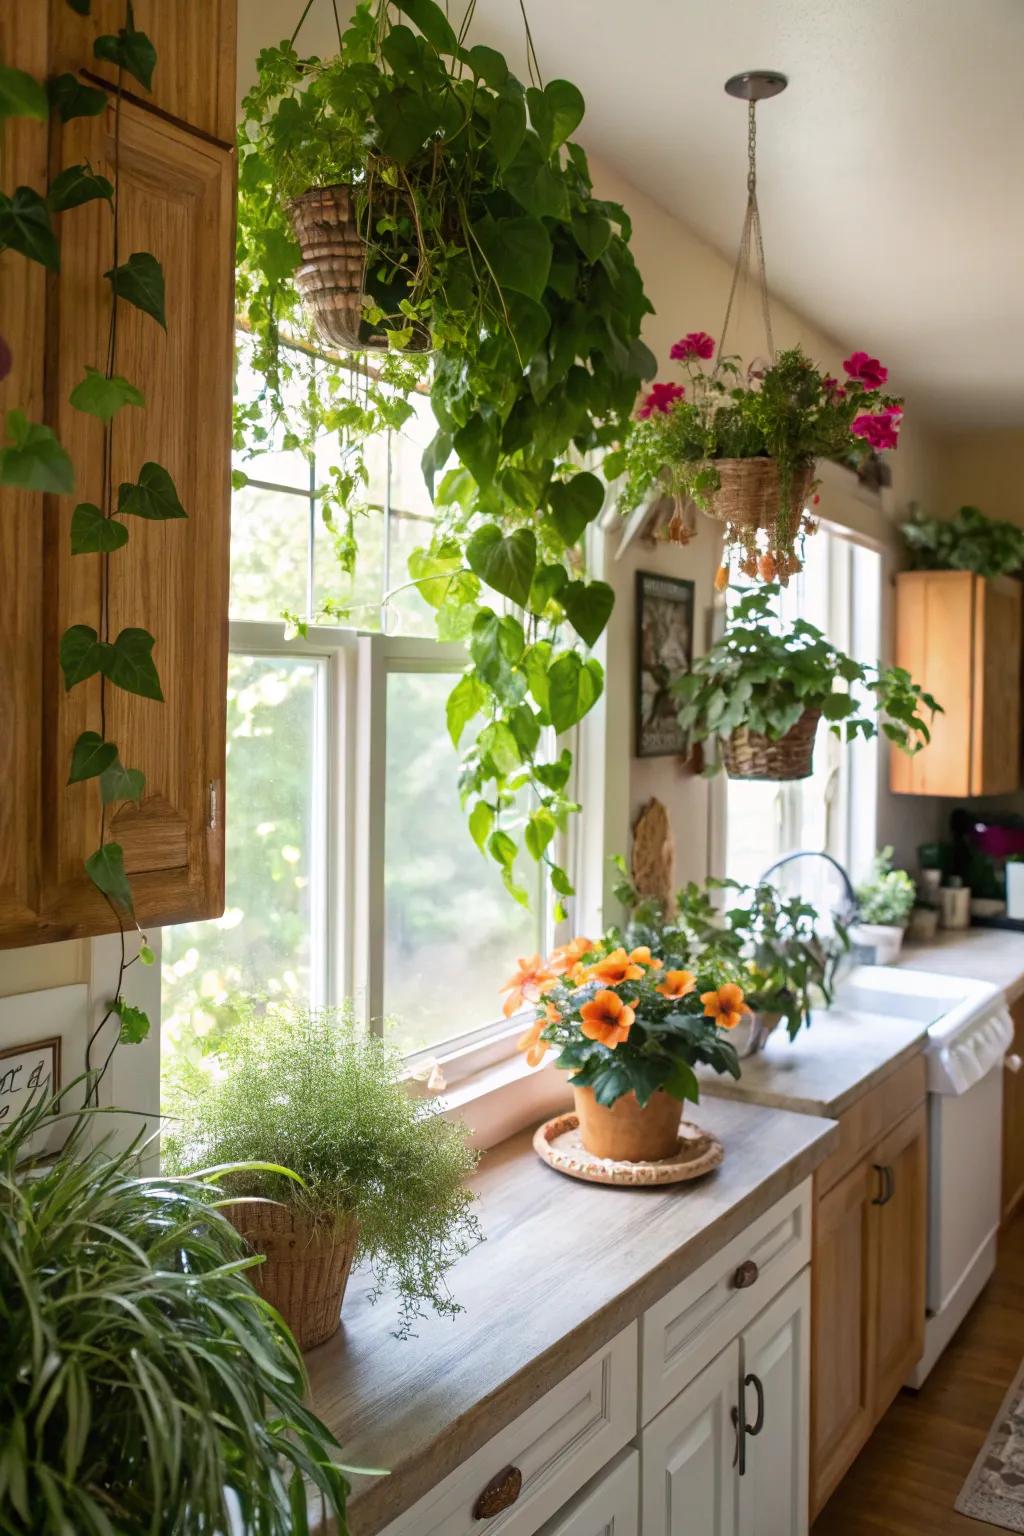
{"type": "Point", "coordinates": [609, 1506]}
{"type": "Point", "coordinates": [688, 1481]}
{"type": "Point", "coordinates": [775, 1362]}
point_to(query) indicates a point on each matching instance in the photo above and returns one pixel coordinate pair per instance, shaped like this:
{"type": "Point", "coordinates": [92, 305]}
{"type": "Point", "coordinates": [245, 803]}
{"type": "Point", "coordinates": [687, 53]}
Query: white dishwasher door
{"type": "Point", "coordinates": [965, 1147]}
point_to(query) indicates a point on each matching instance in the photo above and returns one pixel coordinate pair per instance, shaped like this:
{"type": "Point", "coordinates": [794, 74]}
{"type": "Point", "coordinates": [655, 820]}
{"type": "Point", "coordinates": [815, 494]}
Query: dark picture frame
{"type": "Point", "coordinates": [664, 651]}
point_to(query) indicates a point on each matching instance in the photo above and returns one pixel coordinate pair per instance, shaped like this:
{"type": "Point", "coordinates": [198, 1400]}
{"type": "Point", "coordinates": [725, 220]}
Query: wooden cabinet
{"type": "Point", "coordinates": [176, 200]}
{"type": "Point", "coordinates": [868, 1311]}
{"type": "Point", "coordinates": [960, 637]}
{"type": "Point", "coordinates": [689, 1455]}
{"type": "Point", "coordinates": [1013, 1116]}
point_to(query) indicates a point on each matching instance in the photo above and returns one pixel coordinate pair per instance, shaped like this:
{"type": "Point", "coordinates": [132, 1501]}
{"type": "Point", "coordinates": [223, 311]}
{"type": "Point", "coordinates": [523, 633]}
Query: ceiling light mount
{"type": "Point", "coordinates": [756, 84]}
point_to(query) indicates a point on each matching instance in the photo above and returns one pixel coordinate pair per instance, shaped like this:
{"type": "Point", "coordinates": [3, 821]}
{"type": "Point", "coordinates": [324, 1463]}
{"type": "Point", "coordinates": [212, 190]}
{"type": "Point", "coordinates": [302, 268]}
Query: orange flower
{"type": "Point", "coordinates": [566, 956]}
{"type": "Point", "coordinates": [767, 567]}
{"type": "Point", "coordinates": [615, 969]}
{"type": "Point", "coordinates": [527, 985]}
{"type": "Point", "coordinates": [607, 1019]}
{"type": "Point", "coordinates": [530, 1042]}
{"type": "Point", "coordinates": [677, 984]}
{"type": "Point", "coordinates": [721, 578]}
{"type": "Point", "coordinates": [726, 1006]}
{"type": "Point", "coordinates": [643, 956]}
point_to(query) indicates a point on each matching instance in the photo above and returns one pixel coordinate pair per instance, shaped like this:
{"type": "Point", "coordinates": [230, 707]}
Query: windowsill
{"type": "Point", "coordinates": [505, 1096]}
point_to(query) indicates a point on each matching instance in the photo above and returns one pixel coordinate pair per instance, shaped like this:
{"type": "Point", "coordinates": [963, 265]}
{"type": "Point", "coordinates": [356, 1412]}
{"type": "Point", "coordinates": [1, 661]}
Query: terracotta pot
{"type": "Point", "coordinates": [305, 1269]}
{"type": "Point", "coordinates": [625, 1132]}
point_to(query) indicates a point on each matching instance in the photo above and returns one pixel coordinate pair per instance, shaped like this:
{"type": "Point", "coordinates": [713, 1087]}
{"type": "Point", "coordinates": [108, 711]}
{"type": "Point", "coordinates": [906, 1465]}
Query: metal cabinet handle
{"type": "Point", "coordinates": [746, 1275]}
{"type": "Point", "coordinates": [500, 1493]}
{"type": "Point", "coordinates": [888, 1184]}
{"type": "Point", "coordinates": [753, 1380]}
{"type": "Point", "coordinates": [739, 1455]}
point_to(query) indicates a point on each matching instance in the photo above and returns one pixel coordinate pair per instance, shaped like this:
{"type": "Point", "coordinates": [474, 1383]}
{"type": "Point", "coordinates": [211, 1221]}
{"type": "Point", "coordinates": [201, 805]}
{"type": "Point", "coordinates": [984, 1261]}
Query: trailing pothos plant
{"type": "Point", "coordinates": [483, 235]}
{"type": "Point", "coordinates": [32, 458]}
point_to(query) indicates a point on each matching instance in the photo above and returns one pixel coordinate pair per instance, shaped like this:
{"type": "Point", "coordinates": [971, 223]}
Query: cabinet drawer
{"type": "Point", "coordinates": [686, 1329]}
{"type": "Point", "coordinates": [609, 1506]}
{"type": "Point", "coordinates": [557, 1445]}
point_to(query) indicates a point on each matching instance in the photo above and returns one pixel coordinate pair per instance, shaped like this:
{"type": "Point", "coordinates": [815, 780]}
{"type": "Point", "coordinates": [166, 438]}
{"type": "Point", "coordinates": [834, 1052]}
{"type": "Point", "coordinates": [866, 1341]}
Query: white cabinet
{"type": "Point", "coordinates": [729, 1455]}
{"type": "Point", "coordinates": [688, 1477]}
{"type": "Point", "coordinates": [609, 1506]}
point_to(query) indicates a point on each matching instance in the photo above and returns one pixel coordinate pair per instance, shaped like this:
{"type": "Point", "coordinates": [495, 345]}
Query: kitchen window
{"type": "Point", "coordinates": [349, 868]}
{"type": "Point", "coordinates": [835, 810]}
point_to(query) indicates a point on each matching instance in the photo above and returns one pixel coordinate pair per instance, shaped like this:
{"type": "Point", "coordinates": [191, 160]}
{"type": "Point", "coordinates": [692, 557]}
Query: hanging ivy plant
{"type": "Point", "coordinates": [484, 240]}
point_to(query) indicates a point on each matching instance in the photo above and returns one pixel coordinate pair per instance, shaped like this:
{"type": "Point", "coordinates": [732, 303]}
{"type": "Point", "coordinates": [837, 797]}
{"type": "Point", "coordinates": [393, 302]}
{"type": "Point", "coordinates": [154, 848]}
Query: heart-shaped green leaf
{"type": "Point", "coordinates": [574, 687]}
{"type": "Point", "coordinates": [76, 185]}
{"type": "Point", "coordinates": [135, 1025]}
{"type": "Point", "coordinates": [505, 563]}
{"type": "Point", "coordinates": [25, 227]}
{"type": "Point", "coordinates": [82, 654]}
{"type": "Point", "coordinates": [477, 446]}
{"type": "Point", "coordinates": [94, 534]}
{"type": "Point", "coordinates": [592, 232]}
{"type": "Point", "coordinates": [130, 50]}
{"type": "Point", "coordinates": [432, 22]}
{"type": "Point", "coordinates": [105, 869]}
{"type": "Point", "coordinates": [120, 783]}
{"type": "Point", "coordinates": [481, 820]}
{"type": "Point", "coordinates": [70, 98]}
{"type": "Point", "coordinates": [406, 121]}
{"type": "Point", "coordinates": [21, 95]}
{"type": "Point", "coordinates": [574, 504]}
{"type": "Point", "coordinates": [153, 495]}
{"type": "Point", "coordinates": [100, 396]}
{"type": "Point", "coordinates": [589, 606]}
{"type": "Point", "coordinates": [129, 664]}
{"type": "Point", "coordinates": [466, 699]}
{"type": "Point", "coordinates": [140, 281]}
{"type": "Point", "coordinates": [518, 252]}
{"type": "Point", "coordinates": [565, 107]}
{"type": "Point", "coordinates": [91, 756]}
{"type": "Point", "coordinates": [34, 460]}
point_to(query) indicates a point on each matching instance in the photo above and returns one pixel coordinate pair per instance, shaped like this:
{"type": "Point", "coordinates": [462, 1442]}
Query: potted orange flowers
{"type": "Point", "coordinates": [630, 1030]}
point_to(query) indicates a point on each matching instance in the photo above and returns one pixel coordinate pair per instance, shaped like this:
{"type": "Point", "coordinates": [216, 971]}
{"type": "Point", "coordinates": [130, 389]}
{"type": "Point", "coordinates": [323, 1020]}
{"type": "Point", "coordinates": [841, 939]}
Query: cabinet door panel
{"type": "Point", "coordinates": [1013, 1118]}
{"type": "Point", "coordinates": [935, 642]}
{"type": "Point", "coordinates": [23, 155]}
{"type": "Point", "coordinates": [902, 1241]}
{"type": "Point", "coordinates": [776, 1350]}
{"type": "Point", "coordinates": [171, 577]}
{"type": "Point", "coordinates": [996, 755]}
{"type": "Point", "coordinates": [688, 1481]}
{"type": "Point", "coordinates": [194, 79]}
{"type": "Point", "coordinates": [844, 1275]}
{"type": "Point", "coordinates": [609, 1506]}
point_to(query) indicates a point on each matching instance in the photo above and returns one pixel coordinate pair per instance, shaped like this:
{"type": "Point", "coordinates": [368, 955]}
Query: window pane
{"type": "Point", "coordinates": [269, 553]}
{"type": "Point", "coordinates": [409, 492]}
{"type": "Point", "coordinates": [265, 942]}
{"type": "Point", "coordinates": [409, 613]}
{"type": "Point", "coordinates": [452, 932]}
{"type": "Point", "coordinates": [353, 601]}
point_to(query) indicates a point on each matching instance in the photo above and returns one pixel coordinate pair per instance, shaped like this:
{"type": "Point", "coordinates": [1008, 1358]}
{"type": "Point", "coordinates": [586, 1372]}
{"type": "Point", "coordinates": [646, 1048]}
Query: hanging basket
{"type": "Point", "coordinates": [749, 500]}
{"type": "Point", "coordinates": [331, 277]}
{"type": "Point", "coordinates": [305, 1268]}
{"type": "Point", "coordinates": [747, 755]}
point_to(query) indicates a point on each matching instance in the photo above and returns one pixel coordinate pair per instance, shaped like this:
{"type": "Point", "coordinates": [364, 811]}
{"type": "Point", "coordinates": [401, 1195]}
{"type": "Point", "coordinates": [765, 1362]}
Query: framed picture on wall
{"type": "Point", "coordinates": [664, 651]}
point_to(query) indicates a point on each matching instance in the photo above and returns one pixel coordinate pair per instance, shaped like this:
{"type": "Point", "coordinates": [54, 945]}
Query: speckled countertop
{"type": "Point", "coordinates": [982, 954]}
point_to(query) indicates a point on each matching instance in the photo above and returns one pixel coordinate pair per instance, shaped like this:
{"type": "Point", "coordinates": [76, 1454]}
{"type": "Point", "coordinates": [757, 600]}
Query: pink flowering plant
{"type": "Point", "coordinates": [788, 411]}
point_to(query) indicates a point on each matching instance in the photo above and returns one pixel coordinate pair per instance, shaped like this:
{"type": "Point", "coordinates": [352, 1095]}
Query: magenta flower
{"type": "Point", "coordinates": [866, 370]}
{"type": "Point", "coordinates": [693, 344]}
{"type": "Point", "coordinates": [880, 430]}
{"type": "Point", "coordinates": [834, 391]}
{"type": "Point", "coordinates": [660, 397]}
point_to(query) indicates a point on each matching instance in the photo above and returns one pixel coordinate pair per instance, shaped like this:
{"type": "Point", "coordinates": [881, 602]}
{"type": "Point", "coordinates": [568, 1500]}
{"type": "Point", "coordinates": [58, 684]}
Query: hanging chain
{"type": "Point", "coordinates": [750, 235]}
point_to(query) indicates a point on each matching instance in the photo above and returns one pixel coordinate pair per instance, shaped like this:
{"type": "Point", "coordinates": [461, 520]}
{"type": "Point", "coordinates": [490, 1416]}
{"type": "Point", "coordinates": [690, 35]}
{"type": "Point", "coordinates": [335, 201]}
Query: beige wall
{"type": "Point", "coordinates": [982, 469]}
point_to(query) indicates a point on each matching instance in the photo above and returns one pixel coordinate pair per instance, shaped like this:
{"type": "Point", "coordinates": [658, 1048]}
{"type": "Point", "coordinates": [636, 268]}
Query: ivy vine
{"type": "Point", "coordinates": [32, 458]}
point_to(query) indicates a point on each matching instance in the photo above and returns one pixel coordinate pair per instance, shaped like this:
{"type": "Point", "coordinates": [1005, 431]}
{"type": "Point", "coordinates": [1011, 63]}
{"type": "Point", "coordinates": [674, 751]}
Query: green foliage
{"type": "Point", "coordinates": [764, 676]}
{"type": "Point", "coordinates": [152, 496]}
{"type": "Point", "coordinates": [145, 1383]}
{"type": "Point", "coordinates": [970, 541]}
{"type": "Point", "coordinates": [130, 50]}
{"type": "Point", "coordinates": [668, 1035]}
{"type": "Point", "coordinates": [92, 533]}
{"type": "Point", "coordinates": [791, 412]}
{"type": "Point", "coordinates": [140, 281]}
{"type": "Point", "coordinates": [33, 459]}
{"type": "Point", "coordinates": [70, 98]}
{"type": "Point", "coordinates": [21, 95]}
{"type": "Point", "coordinates": [126, 661]}
{"type": "Point", "coordinates": [484, 237]}
{"type": "Point", "coordinates": [25, 227]}
{"type": "Point", "coordinates": [788, 967]}
{"type": "Point", "coordinates": [888, 895]}
{"type": "Point", "coordinates": [103, 395]}
{"type": "Point", "coordinates": [76, 185]}
{"type": "Point", "coordinates": [307, 1090]}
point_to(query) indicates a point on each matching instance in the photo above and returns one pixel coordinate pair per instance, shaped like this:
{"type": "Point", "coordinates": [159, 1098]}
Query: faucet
{"type": "Point", "coordinates": [849, 910]}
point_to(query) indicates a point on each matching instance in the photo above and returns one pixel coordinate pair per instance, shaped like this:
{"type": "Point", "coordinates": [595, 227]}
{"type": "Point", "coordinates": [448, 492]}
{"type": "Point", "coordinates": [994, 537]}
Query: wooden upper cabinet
{"type": "Point", "coordinates": [176, 200]}
{"type": "Point", "coordinates": [195, 42]}
{"type": "Point", "coordinates": [960, 637]}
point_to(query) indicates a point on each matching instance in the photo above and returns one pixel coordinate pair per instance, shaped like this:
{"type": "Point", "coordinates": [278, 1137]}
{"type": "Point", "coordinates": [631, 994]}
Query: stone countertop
{"type": "Point", "coordinates": [827, 1066]}
{"type": "Point", "coordinates": [981, 954]}
{"type": "Point", "coordinates": [566, 1266]}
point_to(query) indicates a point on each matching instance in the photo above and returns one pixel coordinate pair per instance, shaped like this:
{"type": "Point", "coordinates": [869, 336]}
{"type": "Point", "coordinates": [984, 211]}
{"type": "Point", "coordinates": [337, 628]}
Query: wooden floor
{"type": "Point", "coordinates": [905, 1481]}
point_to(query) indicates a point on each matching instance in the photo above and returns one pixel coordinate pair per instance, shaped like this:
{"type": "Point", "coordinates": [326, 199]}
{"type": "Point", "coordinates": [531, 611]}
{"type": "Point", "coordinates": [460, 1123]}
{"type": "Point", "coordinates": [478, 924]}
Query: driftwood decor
{"type": "Point", "coordinates": [654, 855]}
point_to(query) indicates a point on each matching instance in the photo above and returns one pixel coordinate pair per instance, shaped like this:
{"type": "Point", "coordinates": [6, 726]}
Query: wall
{"type": "Point", "coordinates": [688, 283]}
{"type": "Point", "coordinates": [982, 469]}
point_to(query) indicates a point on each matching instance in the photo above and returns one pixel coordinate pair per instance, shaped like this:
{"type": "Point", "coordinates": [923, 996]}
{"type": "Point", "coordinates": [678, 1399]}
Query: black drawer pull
{"type": "Point", "coordinates": [746, 1275]}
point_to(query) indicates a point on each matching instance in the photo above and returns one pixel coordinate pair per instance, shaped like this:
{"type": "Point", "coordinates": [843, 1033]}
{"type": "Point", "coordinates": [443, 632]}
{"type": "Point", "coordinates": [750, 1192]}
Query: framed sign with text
{"type": "Point", "coordinates": [27, 1072]}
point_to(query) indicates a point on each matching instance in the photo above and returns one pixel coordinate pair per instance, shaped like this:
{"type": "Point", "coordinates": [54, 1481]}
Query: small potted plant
{"type": "Point", "coordinates": [745, 451]}
{"type": "Point", "coordinates": [884, 903]}
{"type": "Point", "coordinates": [970, 541]}
{"type": "Point", "coordinates": [630, 1028]}
{"type": "Point", "coordinates": [788, 965]}
{"type": "Point", "coordinates": [760, 691]}
{"type": "Point", "coordinates": [380, 1175]}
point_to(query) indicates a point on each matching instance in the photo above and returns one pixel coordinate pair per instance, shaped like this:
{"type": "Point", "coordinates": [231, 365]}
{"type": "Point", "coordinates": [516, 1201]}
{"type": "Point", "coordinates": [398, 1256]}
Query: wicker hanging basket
{"type": "Point", "coordinates": [749, 498]}
{"type": "Point", "coordinates": [305, 1269]}
{"type": "Point", "coordinates": [331, 276]}
{"type": "Point", "coordinates": [747, 755]}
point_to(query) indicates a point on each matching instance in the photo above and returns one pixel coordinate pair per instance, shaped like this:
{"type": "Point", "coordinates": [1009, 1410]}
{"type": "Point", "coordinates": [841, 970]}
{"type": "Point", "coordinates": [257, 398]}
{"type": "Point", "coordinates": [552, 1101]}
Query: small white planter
{"type": "Point", "coordinates": [1014, 889]}
{"type": "Point", "coordinates": [886, 940]}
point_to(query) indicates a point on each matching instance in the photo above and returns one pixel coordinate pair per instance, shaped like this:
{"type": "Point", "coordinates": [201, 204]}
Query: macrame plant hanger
{"type": "Point", "coordinates": [752, 86]}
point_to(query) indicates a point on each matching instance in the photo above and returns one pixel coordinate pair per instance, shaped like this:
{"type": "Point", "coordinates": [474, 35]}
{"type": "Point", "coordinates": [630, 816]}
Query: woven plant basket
{"type": "Point", "coordinates": [304, 1272]}
{"type": "Point", "coordinates": [749, 496]}
{"type": "Point", "coordinates": [330, 278]}
{"type": "Point", "coordinates": [749, 756]}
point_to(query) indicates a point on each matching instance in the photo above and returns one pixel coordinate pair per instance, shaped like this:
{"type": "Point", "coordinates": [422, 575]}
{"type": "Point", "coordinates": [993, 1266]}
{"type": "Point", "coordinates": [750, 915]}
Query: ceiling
{"type": "Point", "coordinates": [890, 173]}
